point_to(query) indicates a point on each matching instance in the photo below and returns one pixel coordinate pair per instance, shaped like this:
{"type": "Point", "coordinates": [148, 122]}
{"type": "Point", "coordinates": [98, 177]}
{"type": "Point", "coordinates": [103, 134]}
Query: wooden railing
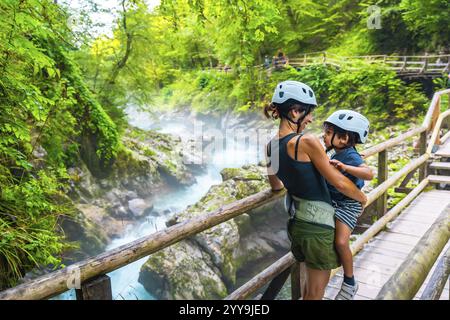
{"type": "Point", "coordinates": [92, 271]}
{"type": "Point", "coordinates": [406, 65]}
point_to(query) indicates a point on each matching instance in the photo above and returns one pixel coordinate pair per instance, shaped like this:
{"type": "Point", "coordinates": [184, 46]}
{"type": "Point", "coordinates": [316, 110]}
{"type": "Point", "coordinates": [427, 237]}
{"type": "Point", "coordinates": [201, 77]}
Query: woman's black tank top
{"type": "Point", "coordinates": [300, 178]}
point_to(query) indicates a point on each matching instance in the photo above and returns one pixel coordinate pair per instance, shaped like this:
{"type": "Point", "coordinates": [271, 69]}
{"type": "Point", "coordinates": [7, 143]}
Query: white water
{"type": "Point", "coordinates": [124, 281]}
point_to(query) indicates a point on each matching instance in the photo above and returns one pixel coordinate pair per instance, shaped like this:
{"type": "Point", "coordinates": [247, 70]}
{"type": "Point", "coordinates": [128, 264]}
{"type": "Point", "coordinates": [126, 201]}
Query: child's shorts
{"type": "Point", "coordinates": [348, 211]}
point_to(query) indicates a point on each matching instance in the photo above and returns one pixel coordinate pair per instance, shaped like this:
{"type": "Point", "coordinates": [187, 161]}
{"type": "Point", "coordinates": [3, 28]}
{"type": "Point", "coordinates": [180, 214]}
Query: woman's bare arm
{"type": "Point", "coordinates": [314, 150]}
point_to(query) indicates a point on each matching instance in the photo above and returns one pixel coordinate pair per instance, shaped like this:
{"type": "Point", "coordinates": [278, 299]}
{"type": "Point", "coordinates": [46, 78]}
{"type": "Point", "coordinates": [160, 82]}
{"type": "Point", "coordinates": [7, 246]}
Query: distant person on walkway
{"type": "Point", "coordinates": [280, 60]}
{"type": "Point", "coordinates": [342, 131]}
{"type": "Point", "coordinates": [298, 162]}
{"type": "Point", "coordinates": [266, 62]}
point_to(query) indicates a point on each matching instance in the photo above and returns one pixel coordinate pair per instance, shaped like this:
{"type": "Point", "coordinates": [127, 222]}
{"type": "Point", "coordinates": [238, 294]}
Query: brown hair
{"type": "Point", "coordinates": [271, 111]}
{"type": "Point", "coordinates": [275, 111]}
{"type": "Point", "coordinates": [341, 133]}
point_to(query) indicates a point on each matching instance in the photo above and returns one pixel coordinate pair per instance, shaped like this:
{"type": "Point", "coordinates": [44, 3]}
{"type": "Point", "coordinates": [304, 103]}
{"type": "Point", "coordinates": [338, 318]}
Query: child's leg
{"type": "Point", "coordinates": [342, 244]}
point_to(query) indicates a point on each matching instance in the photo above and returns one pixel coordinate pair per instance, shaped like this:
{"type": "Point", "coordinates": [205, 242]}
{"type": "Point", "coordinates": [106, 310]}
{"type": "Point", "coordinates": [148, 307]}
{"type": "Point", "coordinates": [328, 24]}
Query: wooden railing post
{"type": "Point", "coordinates": [298, 280]}
{"type": "Point", "coordinates": [422, 150]}
{"type": "Point", "coordinates": [425, 64]}
{"type": "Point", "coordinates": [275, 286]}
{"type": "Point", "coordinates": [404, 64]}
{"type": "Point", "coordinates": [295, 281]}
{"type": "Point", "coordinates": [98, 288]}
{"type": "Point", "coordinates": [382, 177]}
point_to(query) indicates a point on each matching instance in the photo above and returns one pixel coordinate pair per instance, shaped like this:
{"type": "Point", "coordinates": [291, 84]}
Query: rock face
{"type": "Point", "coordinates": [148, 162]}
{"type": "Point", "coordinates": [232, 248]}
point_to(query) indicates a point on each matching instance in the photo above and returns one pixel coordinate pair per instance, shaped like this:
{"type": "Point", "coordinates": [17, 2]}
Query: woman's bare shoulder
{"type": "Point", "coordinates": [307, 137]}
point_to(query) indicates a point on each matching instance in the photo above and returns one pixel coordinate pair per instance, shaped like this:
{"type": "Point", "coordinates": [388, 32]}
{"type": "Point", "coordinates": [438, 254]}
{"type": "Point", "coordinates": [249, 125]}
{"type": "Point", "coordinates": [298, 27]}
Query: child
{"type": "Point", "coordinates": [342, 131]}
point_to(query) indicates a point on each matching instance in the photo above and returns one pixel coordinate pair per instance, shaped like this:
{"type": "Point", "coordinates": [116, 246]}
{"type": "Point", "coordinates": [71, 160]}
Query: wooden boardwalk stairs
{"type": "Point", "coordinates": [403, 255]}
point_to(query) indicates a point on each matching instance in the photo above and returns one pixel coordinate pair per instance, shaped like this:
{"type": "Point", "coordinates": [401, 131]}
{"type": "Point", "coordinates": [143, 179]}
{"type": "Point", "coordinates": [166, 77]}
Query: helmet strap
{"type": "Point", "coordinates": [298, 123]}
{"type": "Point", "coordinates": [332, 139]}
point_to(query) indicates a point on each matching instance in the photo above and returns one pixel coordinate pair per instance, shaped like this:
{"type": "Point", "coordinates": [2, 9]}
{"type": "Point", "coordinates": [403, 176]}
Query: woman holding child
{"type": "Point", "coordinates": [298, 162]}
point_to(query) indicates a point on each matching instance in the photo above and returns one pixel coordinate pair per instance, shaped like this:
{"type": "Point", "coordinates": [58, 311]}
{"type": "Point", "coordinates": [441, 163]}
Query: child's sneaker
{"type": "Point", "coordinates": [347, 291]}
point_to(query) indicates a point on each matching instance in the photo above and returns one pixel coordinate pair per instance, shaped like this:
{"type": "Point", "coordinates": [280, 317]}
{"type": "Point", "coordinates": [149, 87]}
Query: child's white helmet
{"type": "Point", "coordinates": [352, 121]}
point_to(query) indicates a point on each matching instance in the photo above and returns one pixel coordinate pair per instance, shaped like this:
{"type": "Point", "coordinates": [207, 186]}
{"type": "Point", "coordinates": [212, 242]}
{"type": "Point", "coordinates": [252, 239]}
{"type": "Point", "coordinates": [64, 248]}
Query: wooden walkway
{"type": "Point", "coordinates": [444, 150]}
{"type": "Point", "coordinates": [381, 257]}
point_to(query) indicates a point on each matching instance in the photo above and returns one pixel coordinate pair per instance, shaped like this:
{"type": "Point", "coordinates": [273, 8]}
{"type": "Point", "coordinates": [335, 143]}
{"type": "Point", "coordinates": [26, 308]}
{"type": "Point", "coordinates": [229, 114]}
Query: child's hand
{"type": "Point", "coordinates": [339, 165]}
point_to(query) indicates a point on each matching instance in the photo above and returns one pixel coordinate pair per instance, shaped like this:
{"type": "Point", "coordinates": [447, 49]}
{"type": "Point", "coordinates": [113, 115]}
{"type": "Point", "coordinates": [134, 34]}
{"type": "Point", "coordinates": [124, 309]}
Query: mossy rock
{"type": "Point", "coordinates": [182, 271]}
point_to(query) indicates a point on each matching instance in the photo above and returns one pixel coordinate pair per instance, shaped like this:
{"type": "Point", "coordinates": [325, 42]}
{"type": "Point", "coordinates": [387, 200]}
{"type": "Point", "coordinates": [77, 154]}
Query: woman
{"type": "Point", "coordinates": [298, 162]}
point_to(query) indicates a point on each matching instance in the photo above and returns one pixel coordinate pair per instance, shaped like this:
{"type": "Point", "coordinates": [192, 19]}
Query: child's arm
{"type": "Point", "coordinates": [361, 172]}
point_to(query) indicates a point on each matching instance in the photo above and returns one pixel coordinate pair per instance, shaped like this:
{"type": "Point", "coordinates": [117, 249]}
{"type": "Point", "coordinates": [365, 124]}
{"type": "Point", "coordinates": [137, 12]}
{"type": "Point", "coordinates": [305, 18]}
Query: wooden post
{"type": "Point", "coordinates": [422, 150]}
{"type": "Point", "coordinates": [425, 64]}
{"type": "Point", "coordinates": [258, 281]}
{"type": "Point", "coordinates": [409, 277]}
{"type": "Point", "coordinates": [276, 285]}
{"type": "Point", "coordinates": [382, 177]}
{"type": "Point", "coordinates": [295, 281]}
{"type": "Point", "coordinates": [98, 288]}
{"type": "Point", "coordinates": [404, 64]}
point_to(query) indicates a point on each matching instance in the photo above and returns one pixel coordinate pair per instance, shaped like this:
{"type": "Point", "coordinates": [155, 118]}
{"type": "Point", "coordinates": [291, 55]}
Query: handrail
{"type": "Point", "coordinates": [417, 64]}
{"type": "Point", "coordinates": [55, 282]}
{"type": "Point", "coordinates": [438, 279]}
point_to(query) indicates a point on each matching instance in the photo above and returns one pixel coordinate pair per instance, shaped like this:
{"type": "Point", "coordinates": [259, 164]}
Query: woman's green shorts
{"type": "Point", "coordinates": [313, 244]}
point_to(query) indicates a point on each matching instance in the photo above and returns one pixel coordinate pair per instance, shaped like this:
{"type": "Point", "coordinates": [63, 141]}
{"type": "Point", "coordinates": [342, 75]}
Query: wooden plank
{"type": "Point", "coordinates": [391, 245]}
{"type": "Point", "coordinates": [386, 252]}
{"type": "Point", "coordinates": [373, 265]}
{"type": "Point", "coordinates": [439, 179]}
{"type": "Point", "coordinates": [440, 165]}
{"type": "Point", "coordinates": [417, 218]}
{"type": "Point", "coordinates": [444, 150]}
{"type": "Point", "coordinates": [399, 237]}
{"type": "Point", "coordinates": [373, 256]}
{"type": "Point", "coordinates": [412, 225]}
{"type": "Point", "coordinates": [408, 228]}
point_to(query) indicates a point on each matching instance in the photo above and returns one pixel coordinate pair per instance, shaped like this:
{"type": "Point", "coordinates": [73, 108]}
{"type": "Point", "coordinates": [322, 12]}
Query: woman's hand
{"type": "Point", "coordinates": [363, 203]}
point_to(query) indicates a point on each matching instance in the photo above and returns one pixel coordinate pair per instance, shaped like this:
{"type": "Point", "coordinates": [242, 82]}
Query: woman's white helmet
{"type": "Point", "coordinates": [294, 90]}
{"type": "Point", "coordinates": [352, 121]}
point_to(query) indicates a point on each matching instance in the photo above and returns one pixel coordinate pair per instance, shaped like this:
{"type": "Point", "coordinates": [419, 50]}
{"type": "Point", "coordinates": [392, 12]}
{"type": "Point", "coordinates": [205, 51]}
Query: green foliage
{"type": "Point", "coordinates": [47, 114]}
{"type": "Point", "coordinates": [429, 19]}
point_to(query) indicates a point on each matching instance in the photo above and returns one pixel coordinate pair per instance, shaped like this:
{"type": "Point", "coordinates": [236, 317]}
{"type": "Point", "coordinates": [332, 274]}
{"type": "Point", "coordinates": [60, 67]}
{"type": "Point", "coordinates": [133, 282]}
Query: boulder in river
{"type": "Point", "coordinates": [233, 248]}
